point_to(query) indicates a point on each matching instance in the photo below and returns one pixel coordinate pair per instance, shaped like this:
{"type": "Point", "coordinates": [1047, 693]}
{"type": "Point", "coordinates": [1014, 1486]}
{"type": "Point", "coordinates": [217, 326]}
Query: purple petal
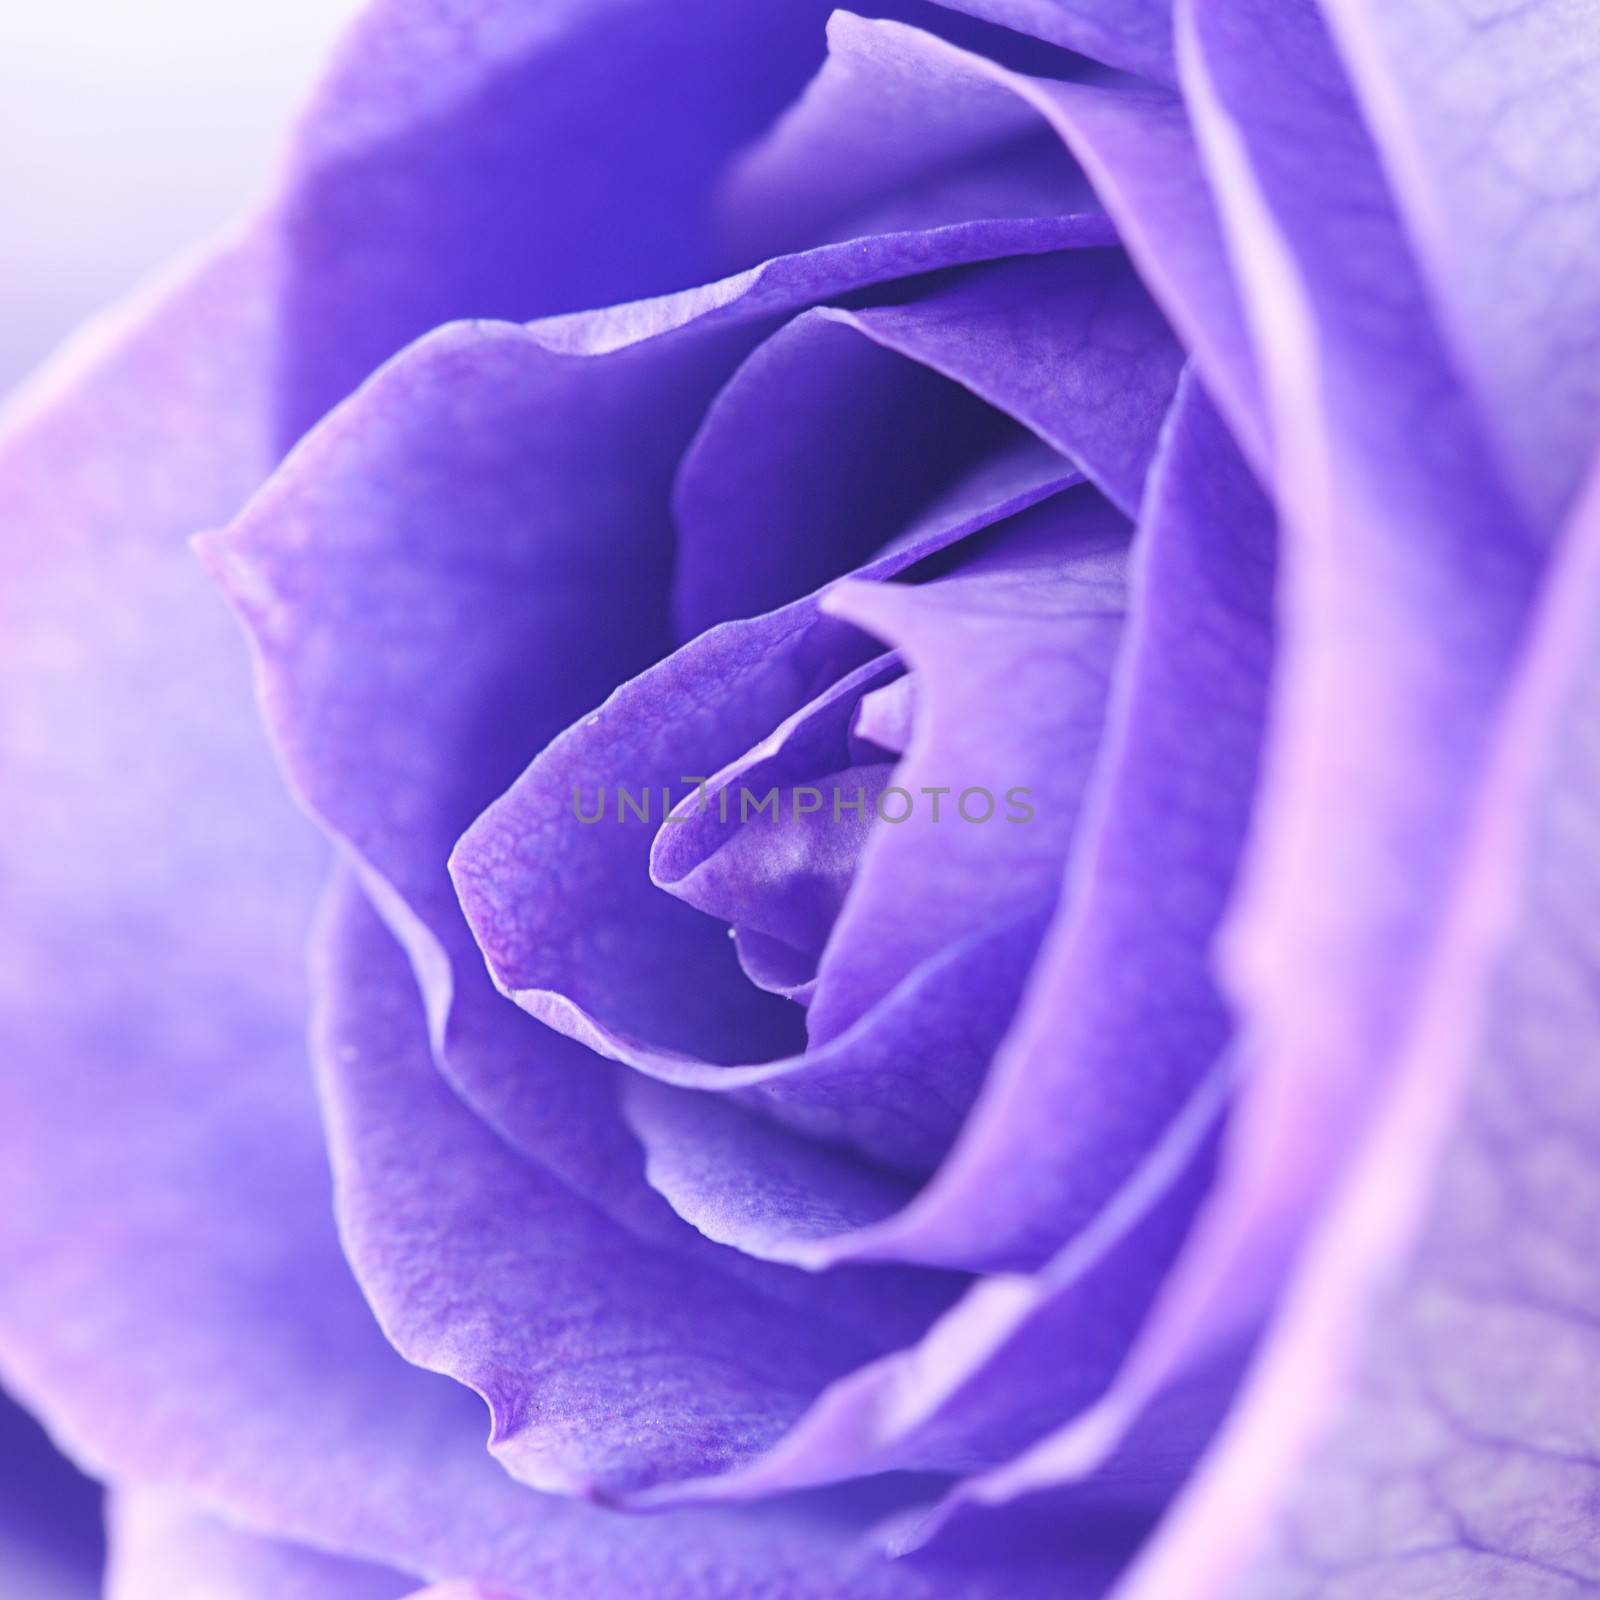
{"type": "Point", "coordinates": [164, 1549]}
{"type": "Point", "coordinates": [1469, 1398]}
{"type": "Point", "coordinates": [1381, 734]}
{"type": "Point", "coordinates": [1135, 144]}
{"type": "Point", "coordinates": [396, 734]}
{"type": "Point", "coordinates": [203, 1331]}
{"type": "Point", "coordinates": [477, 159]}
{"type": "Point", "coordinates": [1447, 1292]}
{"type": "Point", "coordinates": [606, 1364]}
{"type": "Point", "coordinates": [1068, 344]}
{"type": "Point", "coordinates": [1094, 1072]}
{"type": "Point", "coordinates": [1012, 655]}
{"type": "Point", "coordinates": [544, 893]}
{"type": "Point", "coordinates": [1486, 129]}
{"type": "Point", "coordinates": [1135, 34]}
{"type": "Point", "coordinates": [782, 878]}
{"type": "Point", "coordinates": [887, 137]}
{"type": "Point", "coordinates": [1013, 1356]}
{"type": "Point", "coordinates": [1094, 1065]}
{"type": "Point", "coordinates": [829, 445]}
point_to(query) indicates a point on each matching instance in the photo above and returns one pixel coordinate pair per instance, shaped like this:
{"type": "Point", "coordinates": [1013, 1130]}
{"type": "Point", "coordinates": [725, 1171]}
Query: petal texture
{"type": "Point", "coordinates": [1485, 120]}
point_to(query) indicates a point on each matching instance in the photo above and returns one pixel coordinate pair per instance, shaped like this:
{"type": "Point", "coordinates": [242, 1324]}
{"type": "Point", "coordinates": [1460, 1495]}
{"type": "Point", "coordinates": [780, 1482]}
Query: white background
{"type": "Point", "coordinates": [128, 130]}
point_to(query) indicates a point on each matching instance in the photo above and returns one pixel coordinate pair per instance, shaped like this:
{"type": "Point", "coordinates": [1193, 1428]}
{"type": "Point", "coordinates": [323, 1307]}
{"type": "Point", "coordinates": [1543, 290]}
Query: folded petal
{"type": "Point", "coordinates": [1135, 144]}
{"type": "Point", "coordinates": [1447, 1294]}
{"type": "Point", "coordinates": [481, 159]}
{"type": "Point", "coordinates": [818, 450]}
{"type": "Point", "coordinates": [400, 717]}
{"type": "Point", "coordinates": [1363, 853]}
{"type": "Point", "coordinates": [546, 895]}
{"type": "Point", "coordinates": [203, 1330]}
{"type": "Point", "coordinates": [1134, 34]}
{"type": "Point", "coordinates": [606, 1363]}
{"type": "Point", "coordinates": [1015, 1355]}
{"type": "Point", "coordinates": [1119, 1026]}
{"type": "Point", "coordinates": [1012, 655]}
{"type": "Point", "coordinates": [887, 137]}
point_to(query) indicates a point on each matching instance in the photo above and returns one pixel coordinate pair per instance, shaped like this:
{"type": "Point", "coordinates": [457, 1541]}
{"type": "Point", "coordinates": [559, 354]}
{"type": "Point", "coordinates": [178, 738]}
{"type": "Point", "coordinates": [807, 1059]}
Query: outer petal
{"type": "Point", "coordinates": [886, 137]}
{"type": "Point", "coordinates": [204, 1331]}
{"type": "Point", "coordinates": [1452, 1281]}
{"type": "Point", "coordinates": [1384, 725]}
{"type": "Point", "coordinates": [606, 1362]}
{"type": "Point", "coordinates": [162, 1549]}
{"type": "Point", "coordinates": [393, 1118]}
{"type": "Point", "coordinates": [1486, 125]}
{"type": "Point", "coordinates": [479, 158]}
{"type": "Point", "coordinates": [1015, 1355]}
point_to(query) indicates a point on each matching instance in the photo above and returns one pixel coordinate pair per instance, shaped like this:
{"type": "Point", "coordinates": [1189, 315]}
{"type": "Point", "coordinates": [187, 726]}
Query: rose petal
{"type": "Point", "coordinates": [819, 448]}
{"type": "Point", "coordinates": [1382, 727]}
{"type": "Point", "coordinates": [1450, 1278]}
{"type": "Point", "coordinates": [1135, 34]}
{"type": "Point", "coordinates": [1069, 344]}
{"type": "Point", "coordinates": [1135, 144]}
{"type": "Point", "coordinates": [606, 1363]}
{"type": "Point", "coordinates": [1093, 1070]}
{"type": "Point", "coordinates": [395, 734]}
{"type": "Point", "coordinates": [1014, 1355]}
{"type": "Point", "coordinates": [545, 894]}
{"type": "Point", "coordinates": [204, 1331]}
{"type": "Point", "coordinates": [164, 1549]}
{"type": "Point", "coordinates": [885, 139]}
{"type": "Point", "coordinates": [477, 159]}
{"type": "Point", "coordinates": [1486, 131]}
{"type": "Point", "coordinates": [1094, 1067]}
{"type": "Point", "coordinates": [1012, 663]}
{"type": "Point", "coordinates": [1468, 1402]}
{"type": "Point", "coordinates": [782, 877]}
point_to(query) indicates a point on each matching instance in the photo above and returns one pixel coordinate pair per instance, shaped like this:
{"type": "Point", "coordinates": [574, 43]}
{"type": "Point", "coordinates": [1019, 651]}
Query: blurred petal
{"type": "Point", "coordinates": [1486, 127]}
{"type": "Point", "coordinates": [1381, 730]}
{"type": "Point", "coordinates": [163, 1549]}
{"type": "Point", "coordinates": [1450, 1284]}
{"type": "Point", "coordinates": [203, 1330]}
{"type": "Point", "coordinates": [52, 1543]}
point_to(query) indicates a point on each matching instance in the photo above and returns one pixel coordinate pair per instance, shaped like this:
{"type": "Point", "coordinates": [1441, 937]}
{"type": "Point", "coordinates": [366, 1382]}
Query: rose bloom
{"type": "Point", "coordinates": [1176, 416]}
